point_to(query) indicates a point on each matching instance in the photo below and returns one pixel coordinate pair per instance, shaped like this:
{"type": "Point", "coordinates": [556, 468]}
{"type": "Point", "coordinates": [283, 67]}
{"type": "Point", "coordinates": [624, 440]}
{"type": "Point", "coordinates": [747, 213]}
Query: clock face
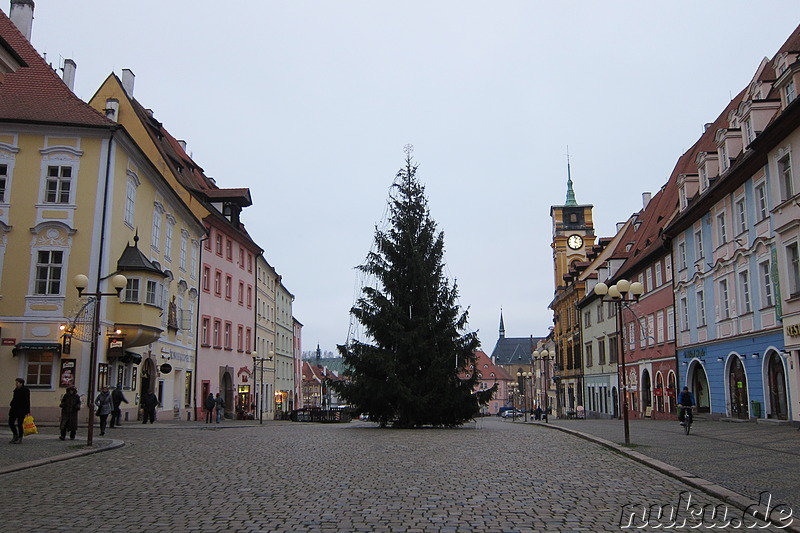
{"type": "Point", "coordinates": [575, 241]}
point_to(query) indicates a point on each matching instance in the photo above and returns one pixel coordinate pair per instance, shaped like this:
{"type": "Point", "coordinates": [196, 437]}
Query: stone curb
{"type": "Point", "coordinates": [739, 501]}
{"type": "Point", "coordinates": [113, 445]}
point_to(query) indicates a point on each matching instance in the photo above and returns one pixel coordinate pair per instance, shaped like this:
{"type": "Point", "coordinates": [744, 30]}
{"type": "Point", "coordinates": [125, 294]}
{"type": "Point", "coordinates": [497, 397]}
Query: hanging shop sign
{"type": "Point", "coordinates": [166, 368]}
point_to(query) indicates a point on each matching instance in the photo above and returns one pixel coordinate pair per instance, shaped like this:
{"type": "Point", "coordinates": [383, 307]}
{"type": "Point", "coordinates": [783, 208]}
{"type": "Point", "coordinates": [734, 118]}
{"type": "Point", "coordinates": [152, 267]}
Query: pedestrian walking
{"type": "Point", "coordinates": [219, 403]}
{"type": "Point", "coordinates": [20, 408]}
{"type": "Point", "coordinates": [149, 404]}
{"type": "Point", "coordinates": [118, 398]}
{"type": "Point", "coordinates": [105, 405]}
{"type": "Point", "coordinates": [70, 405]}
{"type": "Point", "coordinates": [209, 405]}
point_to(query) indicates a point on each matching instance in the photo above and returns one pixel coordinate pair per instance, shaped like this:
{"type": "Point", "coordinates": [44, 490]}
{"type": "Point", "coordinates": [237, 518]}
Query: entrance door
{"type": "Point", "coordinates": [699, 388]}
{"type": "Point", "coordinates": [777, 388]}
{"type": "Point", "coordinates": [737, 385]}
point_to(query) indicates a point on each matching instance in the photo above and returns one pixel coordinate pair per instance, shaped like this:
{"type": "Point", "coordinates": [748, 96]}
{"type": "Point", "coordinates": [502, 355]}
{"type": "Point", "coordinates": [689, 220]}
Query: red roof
{"type": "Point", "coordinates": [34, 93]}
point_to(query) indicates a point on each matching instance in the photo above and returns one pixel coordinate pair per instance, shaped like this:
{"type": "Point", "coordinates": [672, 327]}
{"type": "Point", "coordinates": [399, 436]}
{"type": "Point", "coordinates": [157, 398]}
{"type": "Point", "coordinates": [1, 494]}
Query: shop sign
{"type": "Point", "coordinates": [792, 330]}
{"type": "Point", "coordinates": [166, 368]}
{"type": "Point", "coordinates": [9, 342]}
{"type": "Point", "coordinates": [658, 391]}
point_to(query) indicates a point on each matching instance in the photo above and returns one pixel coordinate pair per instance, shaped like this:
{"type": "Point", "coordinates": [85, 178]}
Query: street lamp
{"type": "Point", "coordinates": [259, 397]}
{"type": "Point", "coordinates": [525, 376]}
{"type": "Point", "coordinates": [543, 358]}
{"type": "Point", "coordinates": [80, 281]}
{"type": "Point", "coordinates": [618, 295]}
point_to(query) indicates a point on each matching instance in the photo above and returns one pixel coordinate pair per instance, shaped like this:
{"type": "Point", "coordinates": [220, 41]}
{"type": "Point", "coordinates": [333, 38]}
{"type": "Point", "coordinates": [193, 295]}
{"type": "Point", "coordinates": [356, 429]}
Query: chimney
{"type": "Point", "coordinates": [112, 109]}
{"type": "Point", "coordinates": [182, 143]}
{"type": "Point", "coordinates": [646, 199]}
{"type": "Point", "coordinates": [22, 16]}
{"type": "Point", "coordinates": [127, 81]}
{"type": "Point", "coordinates": [706, 126]}
{"type": "Point", "coordinates": [68, 73]}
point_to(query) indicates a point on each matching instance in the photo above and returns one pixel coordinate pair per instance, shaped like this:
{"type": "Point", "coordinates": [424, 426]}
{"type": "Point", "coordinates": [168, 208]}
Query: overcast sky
{"type": "Point", "coordinates": [310, 103]}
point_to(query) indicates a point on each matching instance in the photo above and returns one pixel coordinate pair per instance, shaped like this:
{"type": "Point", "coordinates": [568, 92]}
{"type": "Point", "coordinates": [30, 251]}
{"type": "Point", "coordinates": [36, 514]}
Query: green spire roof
{"type": "Point", "coordinates": [570, 193]}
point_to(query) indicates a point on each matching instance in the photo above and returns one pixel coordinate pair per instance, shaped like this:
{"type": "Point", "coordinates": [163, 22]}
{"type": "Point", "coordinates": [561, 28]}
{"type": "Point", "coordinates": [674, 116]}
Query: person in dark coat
{"type": "Point", "coordinates": [117, 398]}
{"type": "Point", "coordinates": [209, 405]}
{"type": "Point", "coordinates": [219, 403]}
{"type": "Point", "coordinates": [20, 408]}
{"type": "Point", "coordinates": [105, 405]}
{"type": "Point", "coordinates": [70, 405]}
{"type": "Point", "coordinates": [149, 404]}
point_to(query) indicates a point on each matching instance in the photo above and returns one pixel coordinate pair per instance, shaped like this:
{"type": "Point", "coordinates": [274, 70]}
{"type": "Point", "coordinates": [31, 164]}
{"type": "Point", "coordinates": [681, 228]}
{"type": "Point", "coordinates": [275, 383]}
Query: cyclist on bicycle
{"type": "Point", "coordinates": [685, 404]}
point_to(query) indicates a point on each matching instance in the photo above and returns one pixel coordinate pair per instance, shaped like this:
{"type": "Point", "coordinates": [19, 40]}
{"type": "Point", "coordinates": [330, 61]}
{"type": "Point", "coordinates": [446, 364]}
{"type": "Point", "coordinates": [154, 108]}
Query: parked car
{"type": "Point", "coordinates": [512, 413]}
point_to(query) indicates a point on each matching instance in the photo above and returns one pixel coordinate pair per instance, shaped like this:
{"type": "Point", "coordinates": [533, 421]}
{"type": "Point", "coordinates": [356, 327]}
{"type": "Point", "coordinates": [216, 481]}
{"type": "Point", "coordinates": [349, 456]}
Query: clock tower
{"type": "Point", "coordinates": [573, 233]}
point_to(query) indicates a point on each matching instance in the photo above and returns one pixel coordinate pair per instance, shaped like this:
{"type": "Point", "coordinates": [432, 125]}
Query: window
{"type": "Point", "coordinates": [3, 181]}
{"type": "Point", "coordinates": [193, 272]}
{"type": "Point", "coordinates": [701, 308]}
{"type": "Point", "coordinates": [240, 338]}
{"type": "Point", "coordinates": [40, 368]}
{"type": "Point", "coordinates": [249, 297]}
{"type": "Point", "coordinates": [241, 293]}
{"type": "Point", "coordinates": [241, 257]}
{"type": "Point", "coordinates": [587, 349]}
{"type": "Point", "coordinates": [130, 203]}
{"type": "Point", "coordinates": [761, 198]}
{"type": "Point", "coordinates": [587, 319]}
{"type": "Point", "coordinates": [684, 313]}
{"type": "Point", "coordinates": [651, 339]}
{"type": "Point", "coordinates": [218, 245]}
{"type": "Point", "coordinates": [613, 349]}
{"type": "Point", "coordinates": [131, 294]}
{"type": "Point", "coordinates": [228, 287]}
{"type": "Point", "coordinates": [660, 326]}
{"type": "Point", "coordinates": [49, 264]}
{"type": "Point", "coordinates": [228, 249]}
{"type": "Point", "coordinates": [217, 327]}
{"type": "Point", "coordinates": [187, 389]}
{"type": "Point", "coordinates": [184, 244]}
{"type": "Point", "coordinates": [722, 231]}
{"type": "Point", "coordinates": [668, 267]}
{"type": "Point", "coordinates": [600, 308]}
{"type": "Point", "coordinates": [168, 241]}
{"type": "Point", "coordinates": [247, 338]}
{"type": "Point", "coordinates": [218, 283]}
{"type": "Point", "coordinates": [648, 285]}
{"type": "Point", "coordinates": [249, 262]}
{"type": "Point", "coordinates": [741, 216]}
{"type": "Point", "coordinates": [785, 177]}
{"type": "Point", "coordinates": [670, 323]}
{"type": "Point", "coordinates": [659, 277]}
{"type": "Point", "coordinates": [748, 130]}
{"type": "Point", "coordinates": [791, 94]}
{"type": "Point", "coordinates": [744, 288]}
{"type": "Point", "coordinates": [723, 156]}
{"type": "Point", "coordinates": [601, 352]}
{"type": "Point", "coordinates": [205, 331]}
{"type": "Point", "coordinates": [681, 255]}
{"type": "Point", "coordinates": [58, 184]}
{"type": "Point", "coordinates": [698, 245]}
{"type": "Point", "coordinates": [643, 333]}
{"type": "Point", "coordinates": [157, 229]}
{"type": "Point", "coordinates": [206, 278]}
{"type": "Point", "coordinates": [151, 293]}
{"type": "Point", "coordinates": [724, 303]}
{"type": "Point", "coordinates": [766, 284]}
{"type": "Point", "coordinates": [228, 327]}
{"type": "Point", "coordinates": [793, 258]}
{"type": "Point", "coordinates": [631, 336]}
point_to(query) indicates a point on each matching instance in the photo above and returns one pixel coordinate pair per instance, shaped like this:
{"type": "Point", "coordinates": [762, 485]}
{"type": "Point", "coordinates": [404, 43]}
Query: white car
{"type": "Point", "coordinates": [511, 414]}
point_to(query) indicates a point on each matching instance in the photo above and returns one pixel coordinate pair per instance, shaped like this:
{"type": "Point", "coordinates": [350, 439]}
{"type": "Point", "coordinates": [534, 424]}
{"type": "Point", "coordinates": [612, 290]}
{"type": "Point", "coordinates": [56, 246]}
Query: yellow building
{"type": "Point", "coordinates": [75, 193]}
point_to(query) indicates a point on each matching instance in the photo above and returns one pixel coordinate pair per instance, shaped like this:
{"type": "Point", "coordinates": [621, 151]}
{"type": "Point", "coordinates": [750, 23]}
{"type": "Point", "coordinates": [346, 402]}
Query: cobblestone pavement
{"type": "Point", "coordinates": [744, 457]}
{"type": "Point", "coordinates": [494, 476]}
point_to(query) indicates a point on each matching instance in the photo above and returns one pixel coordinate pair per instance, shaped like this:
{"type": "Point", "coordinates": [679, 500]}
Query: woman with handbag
{"type": "Point", "coordinates": [70, 405]}
{"type": "Point", "coordinates": [105, 405]}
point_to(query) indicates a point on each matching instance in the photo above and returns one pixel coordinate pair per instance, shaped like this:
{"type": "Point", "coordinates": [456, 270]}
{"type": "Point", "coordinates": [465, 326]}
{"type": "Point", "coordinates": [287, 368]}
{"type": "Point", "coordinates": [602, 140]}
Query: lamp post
{"type": "Point", "coordinates": [258, 364]}
{"type": "Point", "coordinates": [618, 294]}
{"type": "Point", "coordinates": [543, 358]}
{"type": "Point", "coordinates": [522, 377]}
{"type": "Point", "coordinates": [81, 282]}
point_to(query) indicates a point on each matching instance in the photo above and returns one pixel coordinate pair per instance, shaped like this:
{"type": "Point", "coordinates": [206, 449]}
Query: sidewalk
{"type": "Point", "coordinates": [734, 461]}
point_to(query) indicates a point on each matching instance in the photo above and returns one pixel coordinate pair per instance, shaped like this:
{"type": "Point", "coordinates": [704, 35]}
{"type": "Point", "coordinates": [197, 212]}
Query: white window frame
{"type": "Point", "coordinates": [48, 271]}
{"type": "Point", "coordinates": [785, 179]}
{"type": "Point", "coordinates": [156, 237]}
{"type": "Point", "coordinates": [724, 300]}
{"type": "Point", "coordinates": [722, 229]}
{"type": "Point", "coordinates": [793, 264]}
{"type": "Point", "coordinates": [744, 289]}
{"type": "Point", "coordinates": [63, 184]}
{"type": "Point", "coordinates": [659, 279]}
{"type": "Point", "coordinates": [701, 308]}
{"type": "Point", "coordinates": [670, 323]}
{"type": "Point", "coordinates": [762, 200]}
{"type": "Point", "coordinates": [132, 291]}
{"type": "Point", "coordinates": [168, 237]}
{"type": "Point", "coordinates": [684, 313]}
{"type": "Point", "coordinates": [741, 215]}
{"type": "Point", "coordinates": [764, 269]}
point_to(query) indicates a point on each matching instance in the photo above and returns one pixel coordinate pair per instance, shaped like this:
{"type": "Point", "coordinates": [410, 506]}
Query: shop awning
{"type": "Point", "coordinates": [131, 357]}
{"type": "Point", "coordinates": [36, 346]}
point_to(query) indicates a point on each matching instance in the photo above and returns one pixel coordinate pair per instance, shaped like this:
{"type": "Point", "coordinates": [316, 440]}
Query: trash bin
{"type": "Point", "coordinates": [755, 409]}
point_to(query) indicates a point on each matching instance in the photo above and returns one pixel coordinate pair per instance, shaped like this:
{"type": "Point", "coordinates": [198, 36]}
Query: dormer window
{"type": "Point", "coordinates": [723, 157]}
{"type": "Point", "coordinates": [791, 93]}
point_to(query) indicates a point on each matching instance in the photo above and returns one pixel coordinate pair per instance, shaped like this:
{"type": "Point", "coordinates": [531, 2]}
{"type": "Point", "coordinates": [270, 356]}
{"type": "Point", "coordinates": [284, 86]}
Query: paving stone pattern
{"type": "Point", "coordinates": [494, 476]}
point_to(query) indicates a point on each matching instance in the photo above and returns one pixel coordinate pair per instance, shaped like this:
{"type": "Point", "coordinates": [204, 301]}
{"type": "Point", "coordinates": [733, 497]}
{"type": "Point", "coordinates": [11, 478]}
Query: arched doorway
{"type": "Point", "coordinates": [226, 391]}
{"type": "Point", "coordinates": [737, 388]}
{"type": "Point", "coordinates": [660, 392]}
{"type": "Point", "coordinates": [647, 393]}
{"type": "Point", "coordinates": [672, 392]}
{"type": "Point", "coordinates": [615, 401]}
{"type": "Point", "coordinates": [776, 381]}
{"type": "Point", "coordinates": [699, 387]}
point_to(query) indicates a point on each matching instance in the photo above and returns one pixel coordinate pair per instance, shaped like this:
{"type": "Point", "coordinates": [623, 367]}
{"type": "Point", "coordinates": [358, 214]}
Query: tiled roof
{"type": "Point", "coordinates": [481, 360]}
{"type": "Point", "coordinates": [513, 351]}
{"type": "Point", "coordinates": [35, 94]}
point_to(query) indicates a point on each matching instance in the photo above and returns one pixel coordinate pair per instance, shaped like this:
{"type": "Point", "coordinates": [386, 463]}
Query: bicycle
{"type": "Point", "coordinates": [687, 419]}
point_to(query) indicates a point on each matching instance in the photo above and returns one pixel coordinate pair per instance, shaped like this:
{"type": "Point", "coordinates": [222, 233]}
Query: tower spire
{"type": "Point", "coordinates": [502, 326]}
{"type": "Point", "coordinates": [570, 193]}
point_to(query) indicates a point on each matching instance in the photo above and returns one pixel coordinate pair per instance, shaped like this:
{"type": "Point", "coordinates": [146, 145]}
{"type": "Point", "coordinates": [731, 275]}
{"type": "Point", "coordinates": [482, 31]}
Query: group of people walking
{"type": "Point", "coordinates": [214, 404]}
{"type": "Point", "coordinates": [107, 403]}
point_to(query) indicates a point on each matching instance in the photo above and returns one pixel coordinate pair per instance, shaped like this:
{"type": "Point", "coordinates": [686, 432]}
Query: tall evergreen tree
{"type": "Point", "coordinates": [419, 368]}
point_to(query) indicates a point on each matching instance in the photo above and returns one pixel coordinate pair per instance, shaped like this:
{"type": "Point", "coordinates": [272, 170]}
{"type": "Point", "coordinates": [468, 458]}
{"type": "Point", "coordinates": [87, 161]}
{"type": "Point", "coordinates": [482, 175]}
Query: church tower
{"type": "Point", "coordinates": [573, 233]}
